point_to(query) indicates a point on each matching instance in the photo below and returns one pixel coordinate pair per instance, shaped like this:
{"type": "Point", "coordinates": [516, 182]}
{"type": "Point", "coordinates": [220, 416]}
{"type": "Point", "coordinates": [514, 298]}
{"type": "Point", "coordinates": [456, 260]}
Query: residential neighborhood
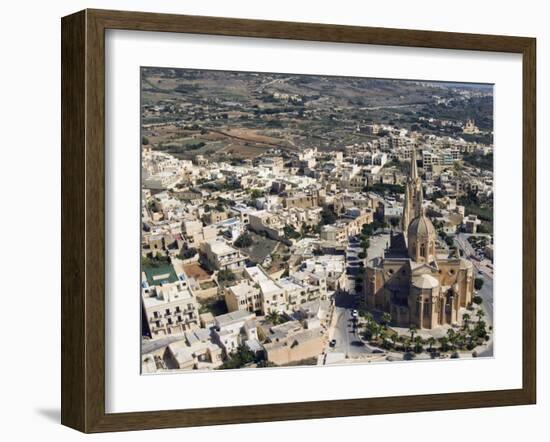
{"type": "Point", "coordinates": [307, 221]}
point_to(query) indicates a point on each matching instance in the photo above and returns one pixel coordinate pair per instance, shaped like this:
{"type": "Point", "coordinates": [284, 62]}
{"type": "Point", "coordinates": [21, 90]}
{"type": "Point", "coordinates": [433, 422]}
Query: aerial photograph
{"type": "Point", "coordinates": [293, 220]}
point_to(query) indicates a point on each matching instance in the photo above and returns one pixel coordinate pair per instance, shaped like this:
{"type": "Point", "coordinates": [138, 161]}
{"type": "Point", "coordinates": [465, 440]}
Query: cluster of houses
{"type": "Point", "coordinates": [196, 213]}
{"type": "Point", "coordinates": [202, 340]}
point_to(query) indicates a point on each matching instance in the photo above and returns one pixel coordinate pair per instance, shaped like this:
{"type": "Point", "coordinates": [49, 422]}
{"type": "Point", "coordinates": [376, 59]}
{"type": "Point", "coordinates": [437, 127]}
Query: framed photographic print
{"type": "Point", "coordinates": [267, 221]}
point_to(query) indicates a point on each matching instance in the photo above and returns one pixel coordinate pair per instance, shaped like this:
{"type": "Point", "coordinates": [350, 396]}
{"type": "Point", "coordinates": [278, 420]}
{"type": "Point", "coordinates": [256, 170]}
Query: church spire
{"type": "Point", "coordinates": [420, 201]}
{"type": "Point", "coordinates": [405, 219]}
{"type": "Point", "coordinates": [414, 170]}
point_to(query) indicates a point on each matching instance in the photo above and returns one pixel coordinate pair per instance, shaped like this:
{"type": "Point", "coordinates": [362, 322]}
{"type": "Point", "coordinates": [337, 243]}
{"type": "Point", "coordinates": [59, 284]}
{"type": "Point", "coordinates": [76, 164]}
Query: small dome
{"type": "Point", "coordinates": [420, 227]}
{"type": "Point", "coordinates": [425, 282]}
{"type": "Point", "coordinates": [421, 237]}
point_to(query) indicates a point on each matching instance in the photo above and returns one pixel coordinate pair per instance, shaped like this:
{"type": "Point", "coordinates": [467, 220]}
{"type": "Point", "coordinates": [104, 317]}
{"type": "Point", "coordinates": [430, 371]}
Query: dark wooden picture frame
{"type": "Point", "coordinates": [83, 220]}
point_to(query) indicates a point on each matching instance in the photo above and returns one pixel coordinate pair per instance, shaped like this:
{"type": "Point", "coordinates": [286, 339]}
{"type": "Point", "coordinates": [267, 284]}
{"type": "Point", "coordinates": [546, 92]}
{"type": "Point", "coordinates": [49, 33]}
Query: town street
{"type": "Point", "coordinates": [480, 271]}
{"type": "Point", "coordinates": [348, 340]}
{"type": "Point", "coordinates": [485, 273]}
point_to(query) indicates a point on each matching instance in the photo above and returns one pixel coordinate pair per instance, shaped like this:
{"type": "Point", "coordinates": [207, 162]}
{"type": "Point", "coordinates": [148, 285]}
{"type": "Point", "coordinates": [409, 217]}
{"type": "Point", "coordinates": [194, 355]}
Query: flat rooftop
{"type": "Point", "coordinates": [241, 289]}
{"type": "Point", "coordinates": [228, 318]}
{"type": "Point", "coordinates": [256, 274]}
{"type": "Point", "coordinates": [221, 248]}
{"type": "Point", "coordinates": [167, 296]}
{"type": "Point", "coordinates": [268, 287]}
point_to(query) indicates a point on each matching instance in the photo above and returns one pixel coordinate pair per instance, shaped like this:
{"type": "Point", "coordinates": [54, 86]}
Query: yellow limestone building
{"type": "Point", "coordinates": [412, 282]}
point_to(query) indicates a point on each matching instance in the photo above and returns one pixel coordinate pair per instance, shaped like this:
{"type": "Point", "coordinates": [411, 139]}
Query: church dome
{"type": "Point", "coordinates": [425, 282]}
{"type": "Point", "coordinates": [421, 238]}
{"type": "Point", "coordinates": [420, 228]}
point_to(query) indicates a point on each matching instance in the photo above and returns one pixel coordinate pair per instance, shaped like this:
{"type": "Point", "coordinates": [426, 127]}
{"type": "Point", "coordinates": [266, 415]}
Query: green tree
{"type": "Point", "coordinates": [480, 314]}
{"type": "Point", "coordinates": [290, 232]}
{"type": "Point", "coordinates": [226, 276]}
{"type": "Point", "coordinates": [444, 342]}
{"type": "Point", "coordinates": [412, 330]}
{"type": "Point", "coordinates": [386, 319]}
{"type": "Point", "coordinates": [478, 283]}
{"type": "Point", "coordinates": [244, 240]}
{"type": "Point", "coordinates": [376, 329]}
{"type": "Point", "coordinates": [466, 320]}
{"type": "Point", "coordinates": [255, 194]}
{"type": "Point", "coordinates": [418, 341]}
{"type": "Point", "coordinates": [372, 330]}
{"type": "Point", "coordinates": [156, 260]}
{"type": "Point", "coordinates": [369, 317]}
{"type": "Point", "coordinates": [238, 358]}
{"type": "Point", "coordinates": [188, 253]}
{"type": "Point", "coordinates": [383, 335]}
{"type": "Point", "coordinates": [477, 300]}
{"type": "Point", "coordinates": [327, 215]}
{"type": "Point", "coordinates": [451, 337]}
{"type": "Point", "coordinates": [274, 317]}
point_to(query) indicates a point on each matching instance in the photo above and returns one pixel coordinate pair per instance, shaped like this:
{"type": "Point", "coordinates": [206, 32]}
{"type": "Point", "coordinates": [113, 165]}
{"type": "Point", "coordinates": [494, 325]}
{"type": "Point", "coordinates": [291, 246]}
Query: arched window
{"type": "Point", "coordinates": [423, 250]}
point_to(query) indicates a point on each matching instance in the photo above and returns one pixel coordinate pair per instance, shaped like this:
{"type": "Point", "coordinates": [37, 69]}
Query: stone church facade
{"type": "Point", "coordinates": [412, 282]}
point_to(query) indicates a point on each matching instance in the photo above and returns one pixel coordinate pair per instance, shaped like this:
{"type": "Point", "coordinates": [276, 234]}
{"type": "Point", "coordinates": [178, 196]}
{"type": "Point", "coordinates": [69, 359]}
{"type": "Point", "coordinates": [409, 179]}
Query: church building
{"type": "Point", "coordinates": [414, 282]}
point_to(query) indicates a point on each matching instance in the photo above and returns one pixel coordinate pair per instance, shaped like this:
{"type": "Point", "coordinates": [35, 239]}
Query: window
{"type": "Point", "coordinates": [167, 311]}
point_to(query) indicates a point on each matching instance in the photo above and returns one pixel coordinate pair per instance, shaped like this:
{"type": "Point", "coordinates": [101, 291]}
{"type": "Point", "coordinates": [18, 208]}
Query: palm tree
{"type": "Point", "coordinates": [369, 318]}
{"type": "Point", "coordinates": [412, 330]}
{"type": "Point", "coordinates": [386, 319]}
{"type": "Point", "coordinates": [480, 314]}
{"type": "Point", "coordinates": [444, 341]}
{"type": "Point", "coordinates": [383, 335]}
{"type": "Point", "coordinates": [451, 337]}
{"type": "Point", "coordinates": [466, 320]}
{"type": "Point", "coordinates": [459, 340]}
{"type": "Point", "coordinates": [274, 317]}
{"type": "Point", "coordinates": [375, 328]}
{"type": "Point", "coordinates": [418, 344]}
{"type": "Point", "coordinates": [431, 342]}
{"type": "Point", "coordinates": [370, 329]}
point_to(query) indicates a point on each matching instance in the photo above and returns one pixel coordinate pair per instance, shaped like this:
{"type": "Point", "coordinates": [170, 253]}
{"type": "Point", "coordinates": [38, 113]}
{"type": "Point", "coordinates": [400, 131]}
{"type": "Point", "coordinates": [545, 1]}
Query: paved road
{"type": "Point", "coordinates": [486, 294]}
{"type": "Point", "coordinates": [484, 266]}
{"type": "Point", "coordinates": [348, 341]}
{"type": "Point", "coordinates": [463, 243]}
